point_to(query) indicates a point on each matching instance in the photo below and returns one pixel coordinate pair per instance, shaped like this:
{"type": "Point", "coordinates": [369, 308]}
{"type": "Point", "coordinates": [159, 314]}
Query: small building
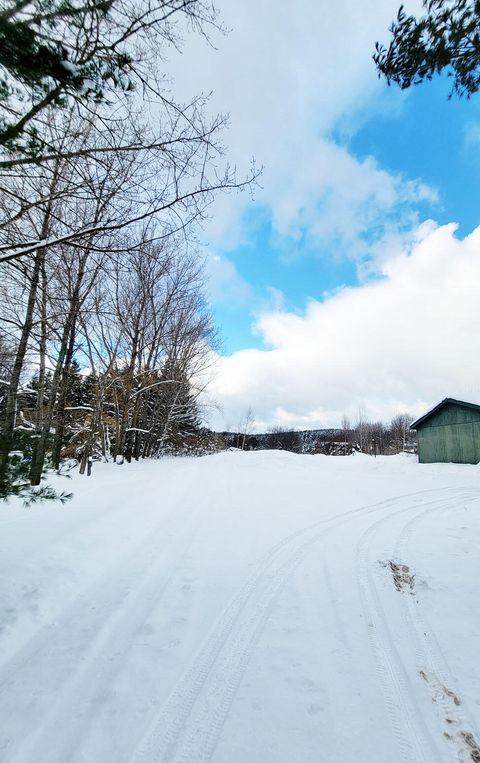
{"type": "Point", "coordinates": [449, 432]}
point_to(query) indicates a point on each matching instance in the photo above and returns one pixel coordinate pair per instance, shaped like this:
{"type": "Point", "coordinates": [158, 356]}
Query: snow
{"type": "Point", "coordinates": [71, 67]}
{"type": "Point", "coordinates": [243, 607]}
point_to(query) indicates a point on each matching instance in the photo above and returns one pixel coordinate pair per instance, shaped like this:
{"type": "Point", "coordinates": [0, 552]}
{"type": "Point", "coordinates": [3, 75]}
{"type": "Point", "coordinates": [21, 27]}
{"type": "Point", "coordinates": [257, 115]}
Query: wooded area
{"type": "Point", "coordinates": [104, 329]}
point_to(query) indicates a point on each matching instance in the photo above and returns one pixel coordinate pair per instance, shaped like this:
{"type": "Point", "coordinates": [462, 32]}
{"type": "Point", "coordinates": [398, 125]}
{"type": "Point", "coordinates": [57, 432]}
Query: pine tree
{"type": "Point", "coordinates": [446, 38]}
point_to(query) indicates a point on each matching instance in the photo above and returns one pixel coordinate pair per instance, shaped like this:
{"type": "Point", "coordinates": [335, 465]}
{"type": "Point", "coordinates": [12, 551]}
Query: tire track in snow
{"type": "Point", "coordinates": [431, 661]}
{"type": "Point", "coordinates": [94, 675]}
{"type": "Point", "coordinates": [395, 677]}
{"type": "Point", "coordinates": [105, 604]}
{"type": "Point", "coordinates": [191, 720]}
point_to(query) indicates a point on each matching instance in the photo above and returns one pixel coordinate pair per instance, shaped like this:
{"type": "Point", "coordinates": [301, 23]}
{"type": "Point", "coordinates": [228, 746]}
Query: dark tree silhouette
{"type": "Point", "coordinates": [445, 39]}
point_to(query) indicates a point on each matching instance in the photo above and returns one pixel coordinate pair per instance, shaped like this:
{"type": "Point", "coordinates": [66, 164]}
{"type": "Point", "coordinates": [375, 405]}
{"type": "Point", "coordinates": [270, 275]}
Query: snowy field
{"type": "Point", "coordinates": [245, 608]}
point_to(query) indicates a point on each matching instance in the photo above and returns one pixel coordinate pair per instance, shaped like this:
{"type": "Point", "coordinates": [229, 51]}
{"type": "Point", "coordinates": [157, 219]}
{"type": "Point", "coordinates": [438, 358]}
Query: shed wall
{"type": "Point", "coordinates": [451, 413]}
{"type": "Point", "coordinates": [452, 434]}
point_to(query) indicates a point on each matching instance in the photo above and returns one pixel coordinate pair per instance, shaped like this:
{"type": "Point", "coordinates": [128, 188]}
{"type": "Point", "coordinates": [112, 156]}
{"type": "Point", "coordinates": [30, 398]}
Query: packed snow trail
{"type": "Point", "coordinates": [243, 607]}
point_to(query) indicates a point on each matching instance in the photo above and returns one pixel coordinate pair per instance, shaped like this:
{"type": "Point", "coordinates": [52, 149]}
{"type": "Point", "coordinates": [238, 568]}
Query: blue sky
{"type": "Point", "coordinates": [264, 264]}
{"type": "Point", "coordinates": [349, 283]}
{"type": "Point", "coordinates": [425, 136]}
{"type": "Point", "coordinates": [432, 138]}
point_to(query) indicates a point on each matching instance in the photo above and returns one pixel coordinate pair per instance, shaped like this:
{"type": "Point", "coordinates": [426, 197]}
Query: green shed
{"type": "Point", "coordinates": [449, 432]}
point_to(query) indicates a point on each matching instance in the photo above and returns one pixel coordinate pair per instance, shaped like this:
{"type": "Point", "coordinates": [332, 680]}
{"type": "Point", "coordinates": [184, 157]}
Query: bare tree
{"type": "Point", "coordinates": [98, 210]}
{"type": "Point", "coordinates": [61, 195]}
{"type": "Point", "coordinates": [246, 425]}
{"type": "Point", "coordinates": [361, 429]}
{"type": "Point", "coordinates": [346, 429]}
{"type": "Point", "coordinates": [85, 54]}
{"type": "Point", "coordinates": [148, 344]}
{"type": "Point", "coordinates": [399, 428]}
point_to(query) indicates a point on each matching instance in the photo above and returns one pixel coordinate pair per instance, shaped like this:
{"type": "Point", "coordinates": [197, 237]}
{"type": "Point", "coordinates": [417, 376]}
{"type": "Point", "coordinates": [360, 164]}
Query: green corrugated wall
{"type": "Point", "coordinates": [451, 434]}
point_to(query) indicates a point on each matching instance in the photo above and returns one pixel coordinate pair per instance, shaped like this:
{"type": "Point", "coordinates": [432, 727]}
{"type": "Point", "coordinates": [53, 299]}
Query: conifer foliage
{"type": "Point", "coordinates": [446, 38]}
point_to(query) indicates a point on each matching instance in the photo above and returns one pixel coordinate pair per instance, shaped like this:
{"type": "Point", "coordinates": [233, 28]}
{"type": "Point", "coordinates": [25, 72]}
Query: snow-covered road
{"type": "Point", "coordinates": [245, 607]}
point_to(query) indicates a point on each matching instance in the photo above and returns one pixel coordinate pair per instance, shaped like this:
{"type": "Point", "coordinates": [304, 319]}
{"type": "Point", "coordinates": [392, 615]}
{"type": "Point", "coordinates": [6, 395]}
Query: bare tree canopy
{"type": "Point", "coordinates": [82, 51]}
{"type": "Point", "coordinates": [86, 89]}
{"type": "Point", "coordinates": [105, 334]}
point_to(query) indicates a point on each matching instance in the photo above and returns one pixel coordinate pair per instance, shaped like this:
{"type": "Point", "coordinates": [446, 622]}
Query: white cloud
{"type": "Point", "coordinates": [347, 199]}
{"type": "Point", "coordinates": [225, 285]}
{"type": "Point", "coordinates": [472, 135]}
{"type": "Point", "coordinates": [401, 342]}
{"type": "Point", "coordinates": [289, 74]}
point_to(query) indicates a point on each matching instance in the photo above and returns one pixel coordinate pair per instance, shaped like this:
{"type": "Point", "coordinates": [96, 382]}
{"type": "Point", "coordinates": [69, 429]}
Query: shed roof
{"type": "Point", "coordinates": [415, 424]}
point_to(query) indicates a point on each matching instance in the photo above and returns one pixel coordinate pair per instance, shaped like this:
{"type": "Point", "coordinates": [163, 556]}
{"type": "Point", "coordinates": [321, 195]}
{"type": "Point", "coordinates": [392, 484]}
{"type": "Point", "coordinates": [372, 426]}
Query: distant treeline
{"type": "Point", "coordinates": [375, 438]}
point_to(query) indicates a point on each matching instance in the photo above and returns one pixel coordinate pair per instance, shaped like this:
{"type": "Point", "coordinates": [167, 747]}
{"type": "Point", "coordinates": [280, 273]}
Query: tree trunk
{"type": "Point", "coordinates": [43, 354]}
{"type": "Point", "coordinates": [62, 400]}
{"type": "Point", "coordinates": [126, 393]}
{"type": "Point", "coordinates": [39, 450]}
{"type": "Point", "coordinates": [7, 436]}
